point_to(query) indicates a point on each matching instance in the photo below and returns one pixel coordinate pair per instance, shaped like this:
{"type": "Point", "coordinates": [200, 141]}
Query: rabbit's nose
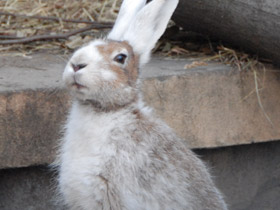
{"type": "Point", "coordinates": [78, 67]}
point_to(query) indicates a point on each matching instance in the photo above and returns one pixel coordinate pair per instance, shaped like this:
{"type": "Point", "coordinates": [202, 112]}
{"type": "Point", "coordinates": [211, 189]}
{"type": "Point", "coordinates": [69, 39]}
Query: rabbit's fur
{"type": "Point", "coordinates": [115, 153]}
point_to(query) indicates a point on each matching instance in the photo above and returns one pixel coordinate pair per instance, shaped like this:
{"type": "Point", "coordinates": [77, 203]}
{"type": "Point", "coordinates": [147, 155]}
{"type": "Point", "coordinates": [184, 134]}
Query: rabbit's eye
{"type": "Point", "coordinates": [120, 58]}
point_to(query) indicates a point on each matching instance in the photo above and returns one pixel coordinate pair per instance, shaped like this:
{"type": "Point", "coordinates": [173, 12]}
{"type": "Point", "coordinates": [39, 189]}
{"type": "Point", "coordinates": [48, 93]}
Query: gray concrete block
{"type": "Point", "coordinates": [208, 106]}
{"type": "Point", "coordinates": [30, 126]}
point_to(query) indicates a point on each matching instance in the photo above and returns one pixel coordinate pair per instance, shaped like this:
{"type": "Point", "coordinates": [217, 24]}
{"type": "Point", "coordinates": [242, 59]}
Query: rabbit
{"type": "Point", "coordinates": [116, 154]}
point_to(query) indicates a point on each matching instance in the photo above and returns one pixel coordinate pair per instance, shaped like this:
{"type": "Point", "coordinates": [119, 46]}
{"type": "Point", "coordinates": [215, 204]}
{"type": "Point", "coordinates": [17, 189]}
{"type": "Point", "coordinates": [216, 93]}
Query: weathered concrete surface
{"type": "Point", "coordinates": [209, 106]}
{"type": "Point", "coordinates": [219, 107]}
{"type": "Point", "coordinates": [249, 177]}
{"type": "Point", "coordinates": [30, 123]}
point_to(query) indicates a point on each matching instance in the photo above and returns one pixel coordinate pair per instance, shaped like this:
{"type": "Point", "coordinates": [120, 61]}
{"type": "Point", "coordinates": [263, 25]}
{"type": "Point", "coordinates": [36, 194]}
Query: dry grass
{"type": "Point", "coordinates": [15, 23]}
{"type": "Point", "coordinates": [240, 60]}
{"type": "Point", "coordinates": [18, 25]}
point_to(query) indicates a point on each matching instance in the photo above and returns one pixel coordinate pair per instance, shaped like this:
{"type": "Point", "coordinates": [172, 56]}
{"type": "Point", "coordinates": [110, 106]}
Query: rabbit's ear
{"type": "Point", "coordinates": [148, 26]}
{"type": "Point", "coordinates": [127, 13]}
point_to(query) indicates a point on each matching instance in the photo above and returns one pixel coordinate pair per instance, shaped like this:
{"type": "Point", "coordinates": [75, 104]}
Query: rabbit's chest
{"type": "Point", "coordinates": [97, 149]}
{"type": "Point", "coordinates": [85, 155]}
{"type": "Point", "coordinates": [87, 144]}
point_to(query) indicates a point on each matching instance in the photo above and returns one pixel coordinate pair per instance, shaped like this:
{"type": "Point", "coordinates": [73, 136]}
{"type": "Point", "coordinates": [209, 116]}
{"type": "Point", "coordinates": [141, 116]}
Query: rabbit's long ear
{"type": "Point", "coordinates": [127, 13]}
{"type": "Point", "coordinates": [148, 26]}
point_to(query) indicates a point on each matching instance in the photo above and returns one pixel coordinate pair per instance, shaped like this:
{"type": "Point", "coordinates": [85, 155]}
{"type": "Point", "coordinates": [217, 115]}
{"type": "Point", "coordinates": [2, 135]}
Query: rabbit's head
{"type": "Point", "coordinates": [105, 71]}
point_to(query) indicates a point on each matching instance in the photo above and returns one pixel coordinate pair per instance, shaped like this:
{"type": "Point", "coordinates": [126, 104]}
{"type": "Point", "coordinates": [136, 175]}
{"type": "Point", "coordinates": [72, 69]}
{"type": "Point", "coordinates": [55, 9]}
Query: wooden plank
{"type": "Point", "coordinates": [252, 25]}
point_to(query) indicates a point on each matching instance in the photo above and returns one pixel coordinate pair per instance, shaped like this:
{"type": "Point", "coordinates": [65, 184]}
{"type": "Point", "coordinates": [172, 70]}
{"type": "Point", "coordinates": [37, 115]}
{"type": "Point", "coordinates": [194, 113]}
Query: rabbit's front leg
{"type": "Point", "coordinates": [100, 196]}
{"type": "Point", "coordinates": [111, 199]}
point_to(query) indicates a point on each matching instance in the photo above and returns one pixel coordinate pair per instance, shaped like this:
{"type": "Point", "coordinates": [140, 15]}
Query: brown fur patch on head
{"type": "Point", "coordinates": [128, 73]}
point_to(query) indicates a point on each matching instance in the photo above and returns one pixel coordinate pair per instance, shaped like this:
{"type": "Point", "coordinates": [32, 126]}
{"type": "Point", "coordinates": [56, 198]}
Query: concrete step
{"type": "Point", "coordinates": [209, 106]}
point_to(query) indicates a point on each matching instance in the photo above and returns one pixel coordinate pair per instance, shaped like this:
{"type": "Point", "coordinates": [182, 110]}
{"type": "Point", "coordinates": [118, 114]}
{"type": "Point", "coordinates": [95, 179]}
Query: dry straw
{"type": "Point", "coordinates": [27, 25]}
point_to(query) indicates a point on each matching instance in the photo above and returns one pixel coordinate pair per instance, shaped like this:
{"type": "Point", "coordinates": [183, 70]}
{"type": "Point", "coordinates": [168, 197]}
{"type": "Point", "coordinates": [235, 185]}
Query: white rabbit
{"type": "Point", "coordinates": [115, 154]}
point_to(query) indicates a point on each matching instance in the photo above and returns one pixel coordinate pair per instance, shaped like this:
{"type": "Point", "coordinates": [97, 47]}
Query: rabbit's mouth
{"type": "Point", "coordinates": [77, 85]}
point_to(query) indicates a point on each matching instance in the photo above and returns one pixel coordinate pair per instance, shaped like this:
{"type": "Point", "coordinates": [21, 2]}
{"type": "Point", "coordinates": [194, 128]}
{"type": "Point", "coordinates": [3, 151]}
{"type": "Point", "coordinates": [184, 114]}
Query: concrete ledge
{"type": "Point", "coordinates": [209, 106]}
{"type": "Point", "coordinates": [30, 126]}
{"type": "Point", "coordinates": [218, 107]}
